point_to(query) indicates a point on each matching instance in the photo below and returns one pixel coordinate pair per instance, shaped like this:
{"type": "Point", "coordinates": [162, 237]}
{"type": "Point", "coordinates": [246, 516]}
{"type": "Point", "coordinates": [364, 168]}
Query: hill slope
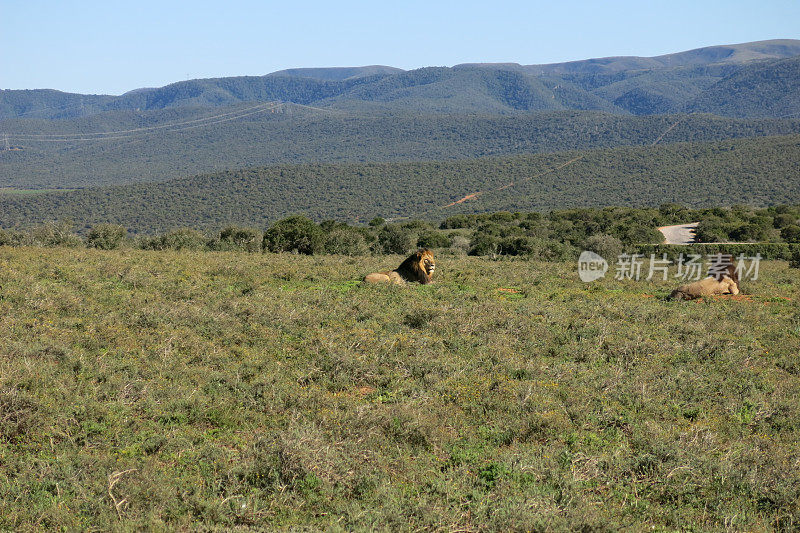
{"type": "Point", "coordinates": [64, 154]}
{"type": "Point", "coordinates": [751, 171]}
{"type": "Point", "coordinates": [708, 55]}
{"type": "Point", "coordinates": [763, 90]}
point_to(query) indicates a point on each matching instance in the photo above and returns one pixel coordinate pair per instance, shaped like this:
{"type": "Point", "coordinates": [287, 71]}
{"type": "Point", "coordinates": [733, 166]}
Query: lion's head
{"type": "Point", "coordinates": [722, 266]}
{"type": "Point", "coordinates": [419, 266]}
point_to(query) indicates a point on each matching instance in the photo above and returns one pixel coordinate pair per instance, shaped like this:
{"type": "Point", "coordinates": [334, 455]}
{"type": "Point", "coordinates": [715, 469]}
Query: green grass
{"type": "Point", "coordinates": [178, 389]}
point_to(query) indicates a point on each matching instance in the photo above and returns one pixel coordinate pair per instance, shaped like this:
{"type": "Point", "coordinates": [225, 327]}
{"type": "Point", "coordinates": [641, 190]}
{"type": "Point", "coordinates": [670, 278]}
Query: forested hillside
{"type": "Point", "coordinates": [747, 171]}
{"type": "Point", "coordinates": [163, 145]}
{"type": "Point", "coordinates": [763, 90]}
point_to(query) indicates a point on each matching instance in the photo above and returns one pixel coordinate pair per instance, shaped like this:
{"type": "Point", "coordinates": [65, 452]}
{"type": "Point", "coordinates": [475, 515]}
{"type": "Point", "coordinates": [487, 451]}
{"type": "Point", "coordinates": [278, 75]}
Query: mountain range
{"type": "Point", "coordinates": [698, 80]}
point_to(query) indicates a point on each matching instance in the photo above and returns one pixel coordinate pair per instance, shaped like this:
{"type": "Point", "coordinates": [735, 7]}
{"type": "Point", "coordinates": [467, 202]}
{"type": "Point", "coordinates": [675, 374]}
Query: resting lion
{"type": "Point", "coordinates": [726, 281]}
{"type": "Point", "coordinates": [418, 267]}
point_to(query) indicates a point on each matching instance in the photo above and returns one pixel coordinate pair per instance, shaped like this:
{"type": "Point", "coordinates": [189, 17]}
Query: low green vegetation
{"type": "Point", "coordinates": [744, 224]}
{"type": "Point", "coordinates": [555, 236]}
{"type": "Point", "coordinates": [185, 389]}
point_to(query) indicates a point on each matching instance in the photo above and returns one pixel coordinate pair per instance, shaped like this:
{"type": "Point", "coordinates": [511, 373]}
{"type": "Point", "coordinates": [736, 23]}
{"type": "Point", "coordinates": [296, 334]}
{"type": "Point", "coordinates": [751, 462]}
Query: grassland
{"type": "Point", "coordinates": [179, 389]}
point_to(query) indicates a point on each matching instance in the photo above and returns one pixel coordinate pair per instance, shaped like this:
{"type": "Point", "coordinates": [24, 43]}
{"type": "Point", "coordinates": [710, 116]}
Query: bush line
{"type": "Point", "coordinates": [556, 236]}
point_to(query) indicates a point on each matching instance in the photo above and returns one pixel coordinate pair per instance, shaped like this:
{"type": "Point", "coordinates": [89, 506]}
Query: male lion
{"type": "Point", "coordinates": [418, 267]}
{"type": "Point", "coordinates": [724, 280]}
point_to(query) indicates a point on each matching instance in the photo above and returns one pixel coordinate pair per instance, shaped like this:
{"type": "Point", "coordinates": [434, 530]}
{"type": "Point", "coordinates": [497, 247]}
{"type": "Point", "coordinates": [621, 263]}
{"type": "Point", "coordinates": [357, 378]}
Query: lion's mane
{"type": "Point", "coordinates": [418, 267]}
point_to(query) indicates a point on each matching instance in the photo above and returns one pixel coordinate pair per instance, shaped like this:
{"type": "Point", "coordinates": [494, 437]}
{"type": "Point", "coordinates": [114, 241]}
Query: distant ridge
{"type": "Point", "coordinates": [695, 80]}
{"type": "Point", "coordinates": [337, 73]}
{"type": "Point", "coordinates": [707, 55]}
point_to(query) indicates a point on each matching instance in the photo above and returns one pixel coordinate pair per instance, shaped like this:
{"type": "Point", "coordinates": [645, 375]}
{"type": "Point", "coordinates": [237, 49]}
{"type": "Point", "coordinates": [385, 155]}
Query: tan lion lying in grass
{"type": "Point", "coordinates": [724, 281]}
{"type": "Point", "coordinates": [418, 267]}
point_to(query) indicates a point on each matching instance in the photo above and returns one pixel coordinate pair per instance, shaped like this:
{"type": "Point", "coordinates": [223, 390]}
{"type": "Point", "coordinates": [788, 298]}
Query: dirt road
{"type": "Point", "coordinates": [679, 234]}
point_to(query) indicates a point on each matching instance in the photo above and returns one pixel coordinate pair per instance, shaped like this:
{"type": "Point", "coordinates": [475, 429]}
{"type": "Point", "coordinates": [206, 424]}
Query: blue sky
{"type": "Point", "coordinates": [113, 47]}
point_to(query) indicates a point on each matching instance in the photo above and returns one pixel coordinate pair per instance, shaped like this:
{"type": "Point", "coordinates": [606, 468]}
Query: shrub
{"type": "Point", "coordinates": [433, 239]}
{"type": "Point", "coordinates": [297, 234]}
{"type": "Point", "coordinates": [237, 238]}
{"type": "Point", "coordinates": [672, 213]}
{"type": "Point", "coordinates": [794, 260]}
{"type": "Point", "coordinates": [748, 232]}
{"type": "Point", "coordinates": [534, 227]}
{"type": "Point", "coordinates": [460, 245]}
{"type": "Point", "coordinates": [11, 238]}
{"type": "Point", "coordinates": [376, 222]}
{"type": "Point", "coordinates": [54, 234]}
{"type": "Point", "coordinates": [179, 239]}
{"type": "Point", "coordinates": [791, 233]}
{"type": "Point", "coordinates": [768, 250]}
{"type": "Point", "coordinates": [566, 231]}
{"type": "Point", "coordinates": [712, 230]}
{"type": "Point", "coordinates": [394, 239]}
{"type": "Point", "coordinates": [330, 225]}
{"type": "Point", "coordinates": [459, 222]}
{"type": "Point", "coordinates": [345, 241]}
{"type": "Point", "coordinates": [606, 246]}
{"type": "Point", "coordinates": [416, 226]}
{"type": "Point", "coordinates": [502, 217]}
{"type": "Point", "coordinates": [635, 233]}
{"type": "Point", "coordinates": [106, 236]}
{"type": "Point", "coordinates": [484, 244]}
{"type": "Point", "coordinates": [499, 230]}
{"type": "Point", "coordinates": [557, 251]}
{"type": "Point", "coordinates": [784, 219]}
{"type": "Point", "coordinates": [516, 246]}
